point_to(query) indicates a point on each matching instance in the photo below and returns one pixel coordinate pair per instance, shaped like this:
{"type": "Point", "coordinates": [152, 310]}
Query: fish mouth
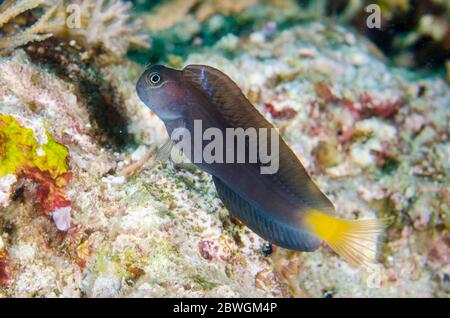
{"type": "Point", "coordinates": [141, 96]}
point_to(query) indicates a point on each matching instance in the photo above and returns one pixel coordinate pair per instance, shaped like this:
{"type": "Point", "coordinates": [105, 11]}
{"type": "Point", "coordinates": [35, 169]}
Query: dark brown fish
{"type": "Point", "coordinates": [285, 207]}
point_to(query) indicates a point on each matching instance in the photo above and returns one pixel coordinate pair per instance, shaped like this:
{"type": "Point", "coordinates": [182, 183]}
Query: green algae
{"type": "Point", "coordinates": [203, 283]}
{"type": "Point", "coordinates": [130, 263]}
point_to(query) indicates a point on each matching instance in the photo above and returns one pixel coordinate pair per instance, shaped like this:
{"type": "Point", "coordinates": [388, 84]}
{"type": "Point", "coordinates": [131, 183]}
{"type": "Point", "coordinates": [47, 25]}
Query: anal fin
{"type": "Point", "coordinates": [269, 228]}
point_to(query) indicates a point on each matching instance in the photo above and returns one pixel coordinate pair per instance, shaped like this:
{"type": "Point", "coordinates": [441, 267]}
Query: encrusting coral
{"type": "Point", "coordinates": [45, 163]}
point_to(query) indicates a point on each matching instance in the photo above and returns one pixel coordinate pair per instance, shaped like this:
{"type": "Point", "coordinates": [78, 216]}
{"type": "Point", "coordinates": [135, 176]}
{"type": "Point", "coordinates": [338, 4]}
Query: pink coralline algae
{"type": "Point", "coordinates": [208, 250]}
{"type": "Point", "coordinates": [46, 164]}
{"type": "Point", "coordinates": [370, 105]}
{"type": "Point", "coordinates": [375, 106]}
{"type": "Point", "coordinates": [367, 105]}
{"type": "Point", "coordinates": [4, 268]}
{"type": "Point", "coordinates": [285, 113]}
{"type": "Point", "coordinates": [50, 192]}
{"type": "Point", "coordinates": [323, 90]}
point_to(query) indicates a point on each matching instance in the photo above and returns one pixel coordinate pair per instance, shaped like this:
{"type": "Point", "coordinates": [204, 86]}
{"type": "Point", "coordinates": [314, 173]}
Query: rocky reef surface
{"type": "Point", "coordinates": [86, 211]}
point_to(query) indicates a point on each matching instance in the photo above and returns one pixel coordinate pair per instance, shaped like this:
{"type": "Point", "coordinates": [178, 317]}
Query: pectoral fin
{"type": "Point", "coordinates": [164, 152]}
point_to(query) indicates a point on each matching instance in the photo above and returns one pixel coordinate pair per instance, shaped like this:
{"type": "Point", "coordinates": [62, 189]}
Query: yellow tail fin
{"type": "Point", "coordinates": [354, 240]}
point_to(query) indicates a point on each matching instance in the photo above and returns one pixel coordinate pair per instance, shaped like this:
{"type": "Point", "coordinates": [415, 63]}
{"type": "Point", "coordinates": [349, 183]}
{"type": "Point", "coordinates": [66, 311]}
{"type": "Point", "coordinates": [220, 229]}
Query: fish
{"type": "Point", "coordinates": [285, 207]}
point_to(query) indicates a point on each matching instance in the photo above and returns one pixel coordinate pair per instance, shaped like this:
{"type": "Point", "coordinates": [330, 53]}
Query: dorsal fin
{"type": "Point", "coordinates": [231, 103]}
{"type": "Point", "coordinates": [226, 96]}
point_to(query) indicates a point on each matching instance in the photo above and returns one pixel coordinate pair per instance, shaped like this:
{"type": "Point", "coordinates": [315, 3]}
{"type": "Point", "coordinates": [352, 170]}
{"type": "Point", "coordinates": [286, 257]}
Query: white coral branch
{"type": "Point", "coordinates": [105, 23]}
{"type": "Point", "coordinates": [17, 8]}
{"type": "Point", "coordinates": [109, 25]}
{"type": "Point", "coordinates": [33, 33]}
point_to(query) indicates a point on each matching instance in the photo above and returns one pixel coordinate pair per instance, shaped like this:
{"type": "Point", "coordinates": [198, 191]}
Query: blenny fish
{"type": "Point", "coordinates": [285, 208]}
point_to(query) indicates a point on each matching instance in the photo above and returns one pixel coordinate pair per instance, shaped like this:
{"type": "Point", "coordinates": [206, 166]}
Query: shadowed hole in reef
{"type": "Point", "coordinates": [105, 114]}
{"type": "Point", "coordinates": [99, 95]}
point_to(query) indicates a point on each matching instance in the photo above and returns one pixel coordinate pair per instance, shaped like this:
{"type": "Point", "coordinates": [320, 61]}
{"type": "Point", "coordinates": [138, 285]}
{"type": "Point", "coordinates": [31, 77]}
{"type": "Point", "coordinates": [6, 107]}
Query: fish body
{"type": "Point", "coordinates": [284, 207]}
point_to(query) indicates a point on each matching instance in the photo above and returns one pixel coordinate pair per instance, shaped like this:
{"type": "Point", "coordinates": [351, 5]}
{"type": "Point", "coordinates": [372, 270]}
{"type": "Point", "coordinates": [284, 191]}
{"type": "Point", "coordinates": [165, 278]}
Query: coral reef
{"type": "Point", "coordinates": [108, 23]}
{"type": "Point", "coordinates": [37, 32]}
{"type": "Point", "coordinates": [412, 33]}
{"type": "Point", "coordinates": [179, 27]}
{"type": "Point", "coordinates": [374, 137]}
{"type": "Point", "coordinates": [103, 24]}
{"type": "Point", "coordinates": [44, 162]}
{"type": "Point", "coordinates": [4, 266]}
{"type": "Point", "coordinates": [169, 13]}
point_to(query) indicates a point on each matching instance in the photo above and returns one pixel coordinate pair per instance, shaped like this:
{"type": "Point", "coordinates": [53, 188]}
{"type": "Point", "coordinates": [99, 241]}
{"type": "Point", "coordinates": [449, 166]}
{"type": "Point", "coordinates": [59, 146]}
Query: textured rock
{"type": "Point", "coordinates": [160, 230]}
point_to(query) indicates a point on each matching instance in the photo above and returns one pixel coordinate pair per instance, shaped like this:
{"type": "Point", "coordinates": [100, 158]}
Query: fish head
{"type": "Point", "coordinates": [160, 89]}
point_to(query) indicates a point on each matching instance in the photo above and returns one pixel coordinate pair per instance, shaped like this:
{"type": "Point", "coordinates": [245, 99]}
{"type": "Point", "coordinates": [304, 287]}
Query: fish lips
{"type": "Point", "coordinates": [142, 90]}
{"type": "Point", "coordinates": [147, 95]}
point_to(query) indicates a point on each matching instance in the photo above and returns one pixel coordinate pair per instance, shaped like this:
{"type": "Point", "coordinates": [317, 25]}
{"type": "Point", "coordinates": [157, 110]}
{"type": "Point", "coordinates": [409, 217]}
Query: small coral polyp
{"type": "Point", "coordinates": [46, 164]}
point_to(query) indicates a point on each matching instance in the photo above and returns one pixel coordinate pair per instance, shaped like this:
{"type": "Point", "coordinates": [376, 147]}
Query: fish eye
{"type": "Point", "coordinates": [154, 78]}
